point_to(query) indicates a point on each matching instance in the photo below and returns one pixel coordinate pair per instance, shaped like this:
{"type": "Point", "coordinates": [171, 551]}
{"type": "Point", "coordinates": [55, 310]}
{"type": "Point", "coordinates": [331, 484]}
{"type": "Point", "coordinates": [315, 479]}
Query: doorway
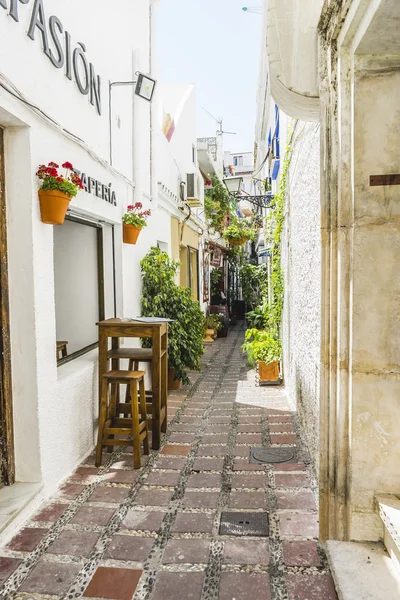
{"type": "Point", "coordinates": [7, 465]}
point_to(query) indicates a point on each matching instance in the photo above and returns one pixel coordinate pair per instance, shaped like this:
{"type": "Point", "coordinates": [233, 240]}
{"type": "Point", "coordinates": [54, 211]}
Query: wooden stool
{"type": "Point", "coordinates": [135, 356]}
{"type": "Point", "coordinates": [110, 423]}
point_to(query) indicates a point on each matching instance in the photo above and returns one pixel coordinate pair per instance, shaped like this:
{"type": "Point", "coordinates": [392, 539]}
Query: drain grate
{"type": "Point", "coordinates": [262, 456]}
{"type": "Point", "coordinates": [252, 523]}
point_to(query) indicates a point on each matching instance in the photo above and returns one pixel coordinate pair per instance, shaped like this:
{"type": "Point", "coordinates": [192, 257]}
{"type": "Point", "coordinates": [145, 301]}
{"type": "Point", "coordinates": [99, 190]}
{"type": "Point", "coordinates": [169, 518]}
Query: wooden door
{"type": "Point", "coordinates": [7, 467]}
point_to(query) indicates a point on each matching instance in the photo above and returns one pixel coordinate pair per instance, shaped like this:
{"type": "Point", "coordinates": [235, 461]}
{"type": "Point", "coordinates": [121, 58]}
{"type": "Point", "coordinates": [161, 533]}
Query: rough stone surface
{"type": "Point", "coordinates": [153, 534]}
{"type": "Point", "coordinates": [363, 571]}
{"type": "Point", "coordinates": [302, 269]}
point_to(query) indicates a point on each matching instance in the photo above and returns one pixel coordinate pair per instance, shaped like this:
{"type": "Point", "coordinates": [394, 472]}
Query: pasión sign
{"type": "Point", "coordinates": [95, 187]}
{"type": "Point", "coordinates": [62, 54]}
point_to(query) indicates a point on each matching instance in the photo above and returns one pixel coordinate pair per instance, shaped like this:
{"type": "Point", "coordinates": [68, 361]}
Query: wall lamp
{"type": "Point", "coordinates": [144, 88]}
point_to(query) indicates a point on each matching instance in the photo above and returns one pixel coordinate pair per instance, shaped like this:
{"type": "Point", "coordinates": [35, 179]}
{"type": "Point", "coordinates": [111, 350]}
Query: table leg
{"type": "Point", "coordinates": [156, 389]}
{"type": "Point", "coordinates": [115, 343]}
{"type": "Point", "coordinates": [164, 380]}
{"type": "Point", "coordinates": [103, 347]}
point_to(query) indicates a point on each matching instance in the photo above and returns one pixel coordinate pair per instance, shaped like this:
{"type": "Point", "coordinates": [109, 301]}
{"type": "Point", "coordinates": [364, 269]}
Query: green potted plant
{"type": "Point", "coordinates": [56, 191]}
{"type": "Point", "coordinates": [238, 234]}
{"type": "Point", "coordinates": [161, 297]}
{"type": "Point", "coordinates": [133, 222]}
{"type": "Point", "coordinates": [263, 350]}
{"type": "Point", "coordinates": [212, 326]}
{"type": "Point", "coordinates": [217, 204]}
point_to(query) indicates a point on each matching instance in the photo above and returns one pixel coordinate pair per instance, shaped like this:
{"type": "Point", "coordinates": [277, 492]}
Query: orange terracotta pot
{"type": "Point", "coordinates": [268, 374]}
{"type": "Point", "coordinates": [53, 206]}
{"type": "Point", "coordinates": [173, 384]}
{"type": "Point", "coordinates": [131, 233]}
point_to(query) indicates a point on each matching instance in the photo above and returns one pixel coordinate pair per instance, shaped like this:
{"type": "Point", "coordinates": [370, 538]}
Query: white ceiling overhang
{"type": "Point", "coordinates": [293, 56]}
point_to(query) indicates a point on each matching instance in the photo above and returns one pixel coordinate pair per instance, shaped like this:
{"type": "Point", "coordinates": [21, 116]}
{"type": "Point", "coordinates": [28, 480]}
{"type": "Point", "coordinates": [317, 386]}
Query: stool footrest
{"type": "Point", "coordinates": [123, 376]}
{"type": "Point", "coordinates": [114, 442]}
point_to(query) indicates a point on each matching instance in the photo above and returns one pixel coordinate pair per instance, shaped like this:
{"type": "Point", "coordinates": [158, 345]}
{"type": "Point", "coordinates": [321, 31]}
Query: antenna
{"type": "Point", "coordinates": [219, 121]}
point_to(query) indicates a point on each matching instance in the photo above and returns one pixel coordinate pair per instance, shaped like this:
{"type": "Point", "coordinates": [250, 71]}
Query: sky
{"type": "Point", "coordinates": [216, 46]}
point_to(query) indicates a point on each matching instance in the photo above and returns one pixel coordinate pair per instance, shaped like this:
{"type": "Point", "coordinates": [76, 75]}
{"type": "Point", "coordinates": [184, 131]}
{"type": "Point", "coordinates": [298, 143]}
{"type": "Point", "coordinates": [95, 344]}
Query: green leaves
{"type": "Point", "coordinates": [161, 297]}
{"type": "Point", "coordinates": [265, 345]}
{"type": "Point", "coordinates": [261, 346]}
{"type": "Point", "coordinates": [217, 204]}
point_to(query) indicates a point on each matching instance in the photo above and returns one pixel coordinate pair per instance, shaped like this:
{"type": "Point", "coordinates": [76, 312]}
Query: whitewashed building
{"type": "Point", "coordinates": [56, 104]}
{"type": "Point", "coordinates": [334, 67]}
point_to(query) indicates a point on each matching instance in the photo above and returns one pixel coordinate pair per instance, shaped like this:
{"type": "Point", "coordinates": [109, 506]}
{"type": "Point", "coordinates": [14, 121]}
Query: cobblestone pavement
{"type": "Point", "coordinates": [153, 534]}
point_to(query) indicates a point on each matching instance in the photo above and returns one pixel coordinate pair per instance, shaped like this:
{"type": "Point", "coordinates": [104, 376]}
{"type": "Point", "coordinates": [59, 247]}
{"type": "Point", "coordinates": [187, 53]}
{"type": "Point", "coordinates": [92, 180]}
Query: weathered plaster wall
{"type": "Point", "coordinates": [375, 448]}
{"type": "Point", "coordinates": [302, 266]}
{"type": "Point", "coordinates": [360, 86]}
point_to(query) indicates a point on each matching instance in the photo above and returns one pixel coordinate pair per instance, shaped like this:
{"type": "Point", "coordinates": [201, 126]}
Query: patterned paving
{"type": "Point", "coordinates": [153, 534]}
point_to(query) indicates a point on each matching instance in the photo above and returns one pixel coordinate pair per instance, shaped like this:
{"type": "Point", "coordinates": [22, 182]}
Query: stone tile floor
{"type": "Point", "coordinates": [153, 534]}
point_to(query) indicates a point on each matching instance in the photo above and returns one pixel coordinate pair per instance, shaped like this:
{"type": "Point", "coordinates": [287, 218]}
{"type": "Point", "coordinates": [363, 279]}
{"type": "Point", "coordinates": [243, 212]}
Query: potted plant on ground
{"type": "Point", "coordinates": [133, 222]}
{"type": "Point", "coordinates": [161, 297]}
{"type": "Point", "coordinates": [212, 326]}
{"type": "Point", "coordinates": [263, 350]}
{"type": "Point", "coordinates": [56, 191]}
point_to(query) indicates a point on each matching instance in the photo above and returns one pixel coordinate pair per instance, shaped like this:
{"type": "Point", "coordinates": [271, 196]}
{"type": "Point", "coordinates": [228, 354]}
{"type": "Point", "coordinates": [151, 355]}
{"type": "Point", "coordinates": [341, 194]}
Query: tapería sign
{"type": "Point", "coordinates": [59, 48]}
{"type": "Point", "coordinates": [95, 187]}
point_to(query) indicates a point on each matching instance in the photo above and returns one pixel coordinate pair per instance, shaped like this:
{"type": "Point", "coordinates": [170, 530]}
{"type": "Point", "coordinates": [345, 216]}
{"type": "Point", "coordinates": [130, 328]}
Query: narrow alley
{"type": "Point", "coordinates": [155, 533]}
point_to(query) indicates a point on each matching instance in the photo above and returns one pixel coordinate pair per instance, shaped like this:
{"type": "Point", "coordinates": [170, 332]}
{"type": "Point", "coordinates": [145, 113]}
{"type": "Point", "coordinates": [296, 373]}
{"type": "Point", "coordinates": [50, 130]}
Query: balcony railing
{"type": "Point", "coordinates": [211, 143]}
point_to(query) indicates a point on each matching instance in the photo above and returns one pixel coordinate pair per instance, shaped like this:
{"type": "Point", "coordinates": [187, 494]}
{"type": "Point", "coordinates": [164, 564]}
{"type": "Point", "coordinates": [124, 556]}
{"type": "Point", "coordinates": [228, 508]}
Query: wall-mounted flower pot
{"type": "Point", "coordinates": [131, 233]}
{"type": "Point", "coordinates": [173, 384]}
{"type": "Point", "coordinates": [53, 206]}
{"type": "Point", "coordinates": [268, 374]}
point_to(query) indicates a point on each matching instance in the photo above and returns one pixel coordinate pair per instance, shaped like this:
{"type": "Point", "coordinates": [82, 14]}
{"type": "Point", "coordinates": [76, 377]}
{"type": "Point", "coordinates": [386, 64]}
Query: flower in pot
{"type": "Point", "coordinates": [238, 234]}
{"type": "Point", "coordinates": [133, 222]}
{"type": "Point", "coordinates": [212, 326]}
{"type": "Point", "coordinates": [264, 350]}
{"type": "Point", "coordinates": [162, 297]}
{"type": "Point", "coordinates": [56, 191]}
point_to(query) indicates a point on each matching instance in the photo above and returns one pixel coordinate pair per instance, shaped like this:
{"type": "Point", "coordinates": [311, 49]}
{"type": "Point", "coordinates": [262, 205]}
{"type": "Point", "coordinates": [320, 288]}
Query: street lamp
{"type": "Point", "coordinates": [144, 88]}
{"type": "Point", "coordinates": [233, 185]}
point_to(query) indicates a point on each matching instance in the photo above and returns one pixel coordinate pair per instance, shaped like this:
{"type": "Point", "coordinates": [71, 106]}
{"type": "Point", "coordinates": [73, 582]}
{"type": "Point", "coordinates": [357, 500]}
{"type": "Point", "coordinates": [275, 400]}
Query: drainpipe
{"type": "Point", "coordinates": [152, 54]}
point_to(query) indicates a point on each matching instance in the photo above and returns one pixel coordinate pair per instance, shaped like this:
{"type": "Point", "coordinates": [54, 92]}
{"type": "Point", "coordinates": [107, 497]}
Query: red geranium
{"type": "Point", "coordinates": [135, 215]}
{"type": "Point", "coordinates": [69, 183]}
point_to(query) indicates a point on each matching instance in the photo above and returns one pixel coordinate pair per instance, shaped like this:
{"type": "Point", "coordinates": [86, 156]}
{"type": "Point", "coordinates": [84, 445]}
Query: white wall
{"type": "Point", "coordinates": [301, 263]}
{"type": "Point", "coordinates": [55, 408]}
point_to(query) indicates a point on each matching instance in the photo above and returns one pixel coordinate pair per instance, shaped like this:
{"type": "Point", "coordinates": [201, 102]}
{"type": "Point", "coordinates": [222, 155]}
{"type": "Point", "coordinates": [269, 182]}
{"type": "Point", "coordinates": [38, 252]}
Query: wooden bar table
{"type": "Point", "coordinates": [115, 329]}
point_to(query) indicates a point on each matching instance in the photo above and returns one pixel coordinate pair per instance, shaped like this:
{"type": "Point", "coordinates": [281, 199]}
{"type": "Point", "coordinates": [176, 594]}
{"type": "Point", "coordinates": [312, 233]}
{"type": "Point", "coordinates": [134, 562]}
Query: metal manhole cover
{"type": "Point", "coordinates": [252, 524]}
{"type": "Point", "coordinates": [261, 456]}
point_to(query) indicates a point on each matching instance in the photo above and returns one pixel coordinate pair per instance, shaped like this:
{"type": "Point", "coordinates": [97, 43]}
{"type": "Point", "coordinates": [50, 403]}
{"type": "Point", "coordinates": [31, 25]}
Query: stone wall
{"type": "Point", "coordinates": [302, 266]}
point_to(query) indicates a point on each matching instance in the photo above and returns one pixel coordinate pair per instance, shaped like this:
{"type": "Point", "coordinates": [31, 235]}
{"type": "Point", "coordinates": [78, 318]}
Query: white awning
{"type": "Point", "coordinates": [291, 32]}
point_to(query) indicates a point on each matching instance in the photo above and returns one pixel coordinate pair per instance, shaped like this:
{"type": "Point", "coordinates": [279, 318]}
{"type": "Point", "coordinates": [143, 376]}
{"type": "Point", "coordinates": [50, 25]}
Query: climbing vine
{"type": "Point", "coordinates": [217, 204]}
{"type": "Point", "coordinates": [273, 227]}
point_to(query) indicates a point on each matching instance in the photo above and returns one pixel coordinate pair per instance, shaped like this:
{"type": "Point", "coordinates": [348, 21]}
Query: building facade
{"type": "Point", "coordinates": [341, 80]}
{"type": "Point", "coordinates": [58, 282]}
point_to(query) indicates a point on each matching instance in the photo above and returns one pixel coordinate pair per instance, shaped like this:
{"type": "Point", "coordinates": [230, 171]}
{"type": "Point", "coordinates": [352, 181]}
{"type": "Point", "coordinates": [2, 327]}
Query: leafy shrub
{"type": "Point", "coordinates": [217, 204]}
{"type": "Point", "coordinates": [261, 346]}
{"type": "Point", "coordinates": [238, 231]}
{"type": "Point", "coordinates": [213, 322]}
{"type": "Point", "coordinates": [161, 297]}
